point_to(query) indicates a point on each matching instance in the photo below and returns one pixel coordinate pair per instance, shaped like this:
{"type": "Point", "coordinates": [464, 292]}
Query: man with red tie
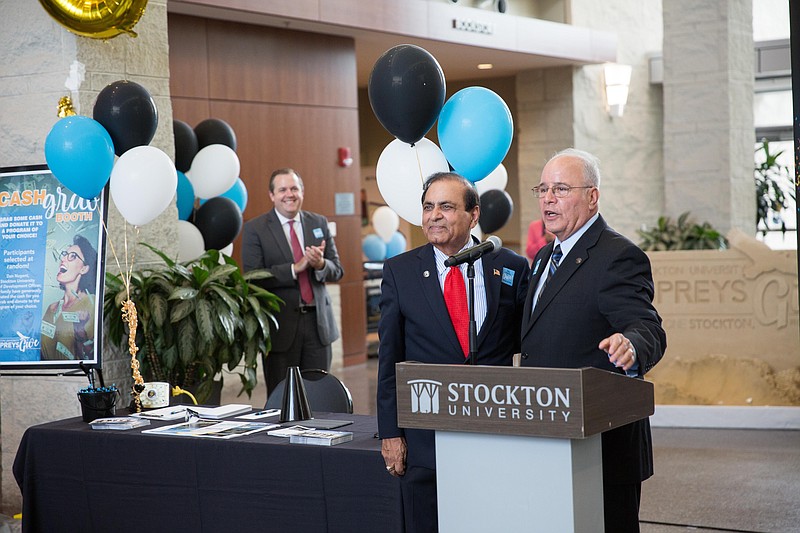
{"type": "Point", "coordinates": [297, 247]}
{"type": "Point", "coordinates": [424, 317]}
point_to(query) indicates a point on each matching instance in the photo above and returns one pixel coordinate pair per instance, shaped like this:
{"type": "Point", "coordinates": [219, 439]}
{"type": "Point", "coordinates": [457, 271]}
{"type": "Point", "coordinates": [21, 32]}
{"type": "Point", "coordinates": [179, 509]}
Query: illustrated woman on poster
{"type": "Point", "coordinates": [68, 324]}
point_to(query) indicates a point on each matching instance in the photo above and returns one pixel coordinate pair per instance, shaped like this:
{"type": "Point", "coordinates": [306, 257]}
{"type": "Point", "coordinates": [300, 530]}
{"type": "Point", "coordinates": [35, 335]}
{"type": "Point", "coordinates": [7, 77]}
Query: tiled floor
{"type": "Point", "coordinates": [706, 480]}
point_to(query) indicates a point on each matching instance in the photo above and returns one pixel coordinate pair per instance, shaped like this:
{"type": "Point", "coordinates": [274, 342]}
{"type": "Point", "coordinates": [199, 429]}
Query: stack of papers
{"type": "Point", "coordinates": [321, 438]}
{"type": "Point", "coordinates": [211, 429]}
{"type": "Point", "coordinates": [119, 422]}
{"type": "Point", "coordinates": [289, 431]}
{"type": "Point", "coordinates": [178, 412]}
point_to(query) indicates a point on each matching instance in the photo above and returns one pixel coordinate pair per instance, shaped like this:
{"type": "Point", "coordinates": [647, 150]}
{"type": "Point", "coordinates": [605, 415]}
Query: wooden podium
{"type": "Point", "coordinates": [518, 448]}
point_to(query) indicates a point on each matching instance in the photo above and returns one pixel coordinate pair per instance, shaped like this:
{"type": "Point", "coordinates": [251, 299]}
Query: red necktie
{"type": "Point", "coordinates": [455, 297]}
{"type": "Point", "coordinates": [302, 277]}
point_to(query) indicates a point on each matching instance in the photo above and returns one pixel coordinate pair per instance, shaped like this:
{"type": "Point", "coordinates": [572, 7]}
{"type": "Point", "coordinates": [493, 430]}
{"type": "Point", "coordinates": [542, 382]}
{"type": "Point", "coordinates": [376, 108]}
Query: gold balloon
{"type": "Point", "coordinates": [65, 108]}
{"type": "Point", "coordinates": [98, 19]}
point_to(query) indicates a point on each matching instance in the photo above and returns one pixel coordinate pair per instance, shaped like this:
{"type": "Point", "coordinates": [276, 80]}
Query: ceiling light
{"type": "Point", "coordinates": [485, 66]}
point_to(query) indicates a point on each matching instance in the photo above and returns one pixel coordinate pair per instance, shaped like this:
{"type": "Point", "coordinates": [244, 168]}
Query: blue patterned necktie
{"type": "Point", "coordinates": [555, 259]}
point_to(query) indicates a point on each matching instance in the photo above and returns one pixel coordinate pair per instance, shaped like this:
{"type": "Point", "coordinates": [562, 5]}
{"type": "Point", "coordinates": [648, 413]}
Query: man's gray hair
{"type": "Point", "coordinates": [591, 165]}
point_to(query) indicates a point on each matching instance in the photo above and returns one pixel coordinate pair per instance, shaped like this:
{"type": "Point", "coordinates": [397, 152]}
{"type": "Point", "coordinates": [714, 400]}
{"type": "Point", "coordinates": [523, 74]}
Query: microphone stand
{"type": "Point", "coordinates": [473, 326]}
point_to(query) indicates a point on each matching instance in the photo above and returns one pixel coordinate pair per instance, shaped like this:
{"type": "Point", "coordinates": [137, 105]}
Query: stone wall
{"type": "Point", "coordinates": [563, 107]}
{"type": "Point", "coordinates": [37, 54]}
{"type": "Point", "coordinates": [544, 121]}
{"type": "Point", "coordinates": [630, 147]}
{"type": "Point", "coordinates": [708, 110]}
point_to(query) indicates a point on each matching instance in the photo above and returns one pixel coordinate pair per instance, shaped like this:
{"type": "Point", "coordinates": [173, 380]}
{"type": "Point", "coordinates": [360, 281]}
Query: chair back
{"type": "Point", "coordinates": [325, 393]}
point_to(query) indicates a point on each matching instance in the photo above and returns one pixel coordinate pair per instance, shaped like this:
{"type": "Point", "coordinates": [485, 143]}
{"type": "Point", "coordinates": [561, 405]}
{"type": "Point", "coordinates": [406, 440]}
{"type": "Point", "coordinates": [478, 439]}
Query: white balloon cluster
{"type": "Point", "coordinates": [214, 170]}
{"type": "Point", "coordinates": [143, 183]}
{"type": "Point", "coordinates": [387, 241]}
{"type": "Point", "coordinates": [401, 173]}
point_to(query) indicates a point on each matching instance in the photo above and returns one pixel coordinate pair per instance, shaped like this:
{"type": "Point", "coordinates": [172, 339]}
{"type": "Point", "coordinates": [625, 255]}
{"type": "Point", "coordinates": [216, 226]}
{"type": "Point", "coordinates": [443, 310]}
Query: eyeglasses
{"type": "Point", "coordinates": [559, 191]}
{"type": "Point", "coordinates": [72, 256]}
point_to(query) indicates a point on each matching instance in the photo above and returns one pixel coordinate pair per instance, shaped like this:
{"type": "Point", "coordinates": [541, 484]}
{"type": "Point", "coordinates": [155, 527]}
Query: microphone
{"type": "Point", "coordinates": [471, 254]}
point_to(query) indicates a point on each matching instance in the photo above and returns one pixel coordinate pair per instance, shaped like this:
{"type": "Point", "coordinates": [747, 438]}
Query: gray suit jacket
{"type": "Point", "coordinates": [264, 245]}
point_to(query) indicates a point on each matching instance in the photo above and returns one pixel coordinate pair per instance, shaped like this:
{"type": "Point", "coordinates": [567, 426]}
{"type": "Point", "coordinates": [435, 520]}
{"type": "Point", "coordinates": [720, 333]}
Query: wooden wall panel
{"type": "Point", "coordinates": [302, 137]}
{"type": "Point", "coordinates": [291, 98]}
{"type": "Point", "coordinates": [190, 110]}
{"type": "Point", "coordinates": [188, 64]}
{"type": "Point", "coordinates": [258, 64]}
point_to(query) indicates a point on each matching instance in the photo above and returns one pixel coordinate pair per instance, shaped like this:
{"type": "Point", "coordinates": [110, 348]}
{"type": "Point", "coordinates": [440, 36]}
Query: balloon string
{"type": "Point", "coordinates": [419, 165]}
{"type": "Point", "coordinates": [129, 314]}
{"type": "Point", "coordinates": [128, 272]}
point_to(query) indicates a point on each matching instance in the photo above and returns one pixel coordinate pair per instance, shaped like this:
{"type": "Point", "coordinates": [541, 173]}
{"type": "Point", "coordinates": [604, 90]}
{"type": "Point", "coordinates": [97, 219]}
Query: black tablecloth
{"type": "Point", "coordinates": [77, 479]}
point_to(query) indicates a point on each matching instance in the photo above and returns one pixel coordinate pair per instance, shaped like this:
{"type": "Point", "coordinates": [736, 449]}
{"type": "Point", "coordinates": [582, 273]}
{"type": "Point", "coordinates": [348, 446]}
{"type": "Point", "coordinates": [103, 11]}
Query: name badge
{"type": "Point", "coordinates": [318, 233]}
{"type": "Point", "coordinates": [508, 276]}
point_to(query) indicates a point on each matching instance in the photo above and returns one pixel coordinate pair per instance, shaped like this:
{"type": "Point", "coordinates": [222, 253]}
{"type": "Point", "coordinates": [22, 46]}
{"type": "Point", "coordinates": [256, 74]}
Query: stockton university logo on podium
{"type": "Point", "coordinates": [553, 402]}
{"type": "Point", "coordinates": [424, 396]}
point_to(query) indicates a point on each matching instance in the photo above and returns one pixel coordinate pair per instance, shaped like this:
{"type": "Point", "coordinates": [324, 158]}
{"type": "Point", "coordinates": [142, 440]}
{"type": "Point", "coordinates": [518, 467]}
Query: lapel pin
{"type": "Point", "coordinates": [578, 260]}
{"type": "Point", "coordinates": [426, 274]}
{"type": "Point", "coordinates": [496, 272]}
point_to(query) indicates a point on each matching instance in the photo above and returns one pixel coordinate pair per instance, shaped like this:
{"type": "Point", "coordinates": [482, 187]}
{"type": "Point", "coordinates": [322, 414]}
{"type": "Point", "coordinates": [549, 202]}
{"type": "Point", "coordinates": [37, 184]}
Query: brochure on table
{"type": "Point", "coordinates": [178, 412]}
{"type": "Point", "coordinates": [226, 429]}
{"type": "Point", "coordinates": [119, 422]}
{"type": "Point", "coordinates": [321, 438]}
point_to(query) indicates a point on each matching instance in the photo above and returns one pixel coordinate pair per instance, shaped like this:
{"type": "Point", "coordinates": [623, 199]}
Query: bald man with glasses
{"type": "Point", "coordinates": [590, 304]}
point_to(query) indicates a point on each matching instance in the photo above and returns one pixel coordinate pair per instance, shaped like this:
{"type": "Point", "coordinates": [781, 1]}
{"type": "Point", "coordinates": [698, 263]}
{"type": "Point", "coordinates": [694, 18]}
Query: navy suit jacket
{"type": "Point", "coordinates": [264, 245]}
{"type": "Point", "coordinates": [603, 286]}
{"type": "Point", "coordinates": [415, 326]}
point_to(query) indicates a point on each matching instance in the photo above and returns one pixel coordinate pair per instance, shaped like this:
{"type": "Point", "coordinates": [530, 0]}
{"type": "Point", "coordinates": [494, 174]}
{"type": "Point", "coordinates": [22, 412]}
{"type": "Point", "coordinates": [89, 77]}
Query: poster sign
{"type": "Point", "coordinates": [52, 256]}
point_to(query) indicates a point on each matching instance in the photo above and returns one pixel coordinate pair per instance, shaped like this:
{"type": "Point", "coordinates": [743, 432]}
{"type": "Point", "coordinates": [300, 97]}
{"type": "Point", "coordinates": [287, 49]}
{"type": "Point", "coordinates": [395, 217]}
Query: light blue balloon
{"type": "Point", "coordinates": [185, 197]}
{"type": "Point", "coordinates": [237, 193]}
{"type": "Point", "coordinates": [396, 245]}
{"type": "Point", "coordinates": [80, 153]}
{"type": "Point", "coordinates": [374, 247]}
{"type": "Point", "coordinates": [475, 132]}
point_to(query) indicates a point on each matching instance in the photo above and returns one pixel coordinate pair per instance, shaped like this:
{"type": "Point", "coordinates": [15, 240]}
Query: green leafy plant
{"type": "Point", "coordinates": [770, 196]}
{"type": "Point", "coordinates": [684, 234]}
{"type": "Point", "coordinates": [194, 320]}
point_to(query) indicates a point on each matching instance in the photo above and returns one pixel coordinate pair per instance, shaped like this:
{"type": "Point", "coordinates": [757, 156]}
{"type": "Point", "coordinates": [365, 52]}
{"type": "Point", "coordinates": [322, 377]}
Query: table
{"type": "Point", "coordinates": [74, 478]}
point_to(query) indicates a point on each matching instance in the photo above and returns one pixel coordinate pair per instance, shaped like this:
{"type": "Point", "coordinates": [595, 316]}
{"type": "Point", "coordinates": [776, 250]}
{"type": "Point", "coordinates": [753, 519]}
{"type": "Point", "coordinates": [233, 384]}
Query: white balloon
{"type": "Point", "coordinates": [401, 172]}
{"type": "Point", "coordinates": [385, 222]}
{"type": "Point", "coordinates": [214, 170]}
{"type": "Point", "coordinates": [497, 179]}
{"type": "Point", "coordinates": [190, 241]}
{"type": "Point", "coordinates": [228, 250]}
{"type": "Point", "coordinates": [143, 184]}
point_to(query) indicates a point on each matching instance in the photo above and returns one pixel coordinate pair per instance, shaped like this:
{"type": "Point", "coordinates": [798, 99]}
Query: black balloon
{"type": "Point", "coordinates": [215, 131]}
{"type": "Point", "coordinates": [185, 145]}
{"type": "Point", "coordinates": [219, 221]}
{"type": "Point", "coordinates": [496, 209]}
{"type": "Point", "coordinates": [406, 91]}
{"type": "Point", "coordinates": [127, 111]}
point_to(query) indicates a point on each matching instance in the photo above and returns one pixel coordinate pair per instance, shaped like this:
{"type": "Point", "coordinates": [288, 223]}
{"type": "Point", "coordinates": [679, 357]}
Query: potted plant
{"type": "Point", "coordinates": [195, 319]}
{"type": "Point", "coordinates": [684, 234]}
{"type": "Point", "coordinates": [773, 188]}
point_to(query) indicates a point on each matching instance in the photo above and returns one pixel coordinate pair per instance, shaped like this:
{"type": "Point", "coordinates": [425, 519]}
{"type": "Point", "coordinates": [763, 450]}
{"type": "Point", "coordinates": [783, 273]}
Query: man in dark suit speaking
{"type": "Point", "coordinates": [590, 304]}
{"type": "Point", "coordinates": [424, 318]}
{"type": "Point", "coordinates": [297, 247]}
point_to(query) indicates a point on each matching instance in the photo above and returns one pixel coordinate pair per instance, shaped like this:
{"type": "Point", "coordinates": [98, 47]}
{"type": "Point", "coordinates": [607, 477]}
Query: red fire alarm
{"type": "Point", "coordinates": [345, 160]}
